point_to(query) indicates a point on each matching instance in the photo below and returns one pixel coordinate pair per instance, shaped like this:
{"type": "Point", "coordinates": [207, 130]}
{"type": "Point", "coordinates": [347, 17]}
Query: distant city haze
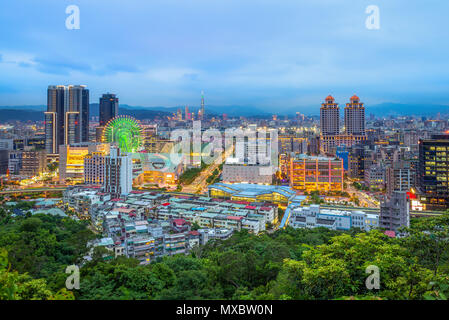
{"type": "Point", "coordinates": [278, 57]}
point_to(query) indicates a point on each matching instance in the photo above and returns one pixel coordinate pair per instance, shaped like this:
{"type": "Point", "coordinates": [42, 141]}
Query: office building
{"type": "Point", "coordinates": [310, 173]}
{"type": "Point", "coordinates": [34, 162]}
{"type": "Point", "coordinates": [67, 116]}
{"type": "Point", "coordinates": [15, 161]}
{"type": "Point", "coordinates": [290, 143]}
{"type": "Point", "coordinates": [71, 159]}
{"type": "Point", "coordinates": [108, 108]}
{"type": "Point", "coordinates": [357, 160]}
{"type": "Point", "coordinates": [4, 161]}
{"type": "Point", "coordinates": [375, 175]}
{"type": "Point", "coordinates": [433, 172]}
{"type": "Point", "coordinates": [254, 147]}
{"type": "Point", "coordinates": [313, 145]}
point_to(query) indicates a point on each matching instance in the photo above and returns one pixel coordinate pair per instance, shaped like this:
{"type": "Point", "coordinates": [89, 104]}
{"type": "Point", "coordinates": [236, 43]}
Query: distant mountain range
{"type": "Point", "coordinates": [407, 109]}
{"type": "Point", "coordinates": [35, 112]}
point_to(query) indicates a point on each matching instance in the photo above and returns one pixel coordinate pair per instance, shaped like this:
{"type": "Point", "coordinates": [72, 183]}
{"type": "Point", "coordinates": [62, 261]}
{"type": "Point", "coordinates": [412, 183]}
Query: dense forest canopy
{"type": "Point", "coordinates": [287, 264]}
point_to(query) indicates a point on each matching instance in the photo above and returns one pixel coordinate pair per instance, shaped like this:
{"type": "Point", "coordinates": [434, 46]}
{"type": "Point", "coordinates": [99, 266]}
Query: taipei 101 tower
{"type": "Point", "coordinates": [201, 112]}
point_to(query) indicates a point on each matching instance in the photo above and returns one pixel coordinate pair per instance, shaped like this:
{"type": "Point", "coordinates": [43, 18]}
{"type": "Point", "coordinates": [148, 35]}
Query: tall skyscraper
{"type": "Point", "coordinates": [201, 111]}
{"type": "Point", "coordinates": [355, 117]}
{"type": "Point", "coordinates": [354, 133]}
{"type": "Point", "coordinates": [330, 117]}
{"type": "Point", "coordinates": [187, 114]}
{"type": "Point", "coordinates": [179, 114]}
{"type": "Point", "coordinates": [108, 108]}
{"type": "Point", "coordinates": [77, 115]}
{"type": "Point", "coordinates": [54, 118]}
{"type": "Point", "coordinates": [67, 116]}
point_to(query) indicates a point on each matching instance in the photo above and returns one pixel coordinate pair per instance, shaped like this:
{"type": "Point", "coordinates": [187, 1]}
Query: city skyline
{"type": "Point", "coordinates": [230, 152]}
{"type": "Point", "coordinates": [267, 56]}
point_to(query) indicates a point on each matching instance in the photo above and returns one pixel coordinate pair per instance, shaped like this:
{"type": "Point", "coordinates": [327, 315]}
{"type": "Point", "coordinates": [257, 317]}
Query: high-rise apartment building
{"type": "Point", "coordinates": [331, 137]}
{"type": "Point", "coordinates": [400, 176]}
{"type": "Point", "coordinates": [118, 174]}
{"type": "Point", "coordinates": [67, 116]}
{"type": "Point", "coordinates": [395, 212]}
{"type": "Point", "coordinates": [355, 117]}
{"type": "Point", "coordinates": [433, 172]}
{"type": "Point", "coordinates": [94, 168]}
{"type": "Point", "coordinates": [330, 117]}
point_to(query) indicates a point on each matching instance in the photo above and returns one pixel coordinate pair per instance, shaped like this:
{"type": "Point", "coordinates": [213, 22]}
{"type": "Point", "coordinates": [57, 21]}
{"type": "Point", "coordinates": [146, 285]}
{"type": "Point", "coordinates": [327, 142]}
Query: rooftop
{"type": "Point", "coordinates": [252, 190]}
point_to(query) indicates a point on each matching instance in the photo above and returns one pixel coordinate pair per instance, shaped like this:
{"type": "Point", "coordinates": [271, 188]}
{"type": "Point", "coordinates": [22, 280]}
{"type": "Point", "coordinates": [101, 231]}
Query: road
{"type": "Point", "coordinates": [32, 190]}
{"type": "Point", "coordinates": [199, 185]}
{"type": "Point", "coordinates": [362, 196]}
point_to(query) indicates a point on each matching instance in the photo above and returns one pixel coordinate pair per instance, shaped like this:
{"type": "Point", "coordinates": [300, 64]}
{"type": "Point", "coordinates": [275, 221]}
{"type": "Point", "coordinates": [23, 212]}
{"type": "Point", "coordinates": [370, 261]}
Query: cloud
{"type": "Point", "coordinates": [60, 66]}
{"type": "Point", "coordinates": [258, 51]}
{"type": "Point", "coordinates": [63, 66]}
{"type": "Point", "coordinates": [172, 74]}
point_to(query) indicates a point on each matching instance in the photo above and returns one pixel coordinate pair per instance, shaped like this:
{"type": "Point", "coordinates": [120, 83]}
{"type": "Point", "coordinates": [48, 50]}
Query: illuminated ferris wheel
{"type": "Point", "coordinates": [125, 132]}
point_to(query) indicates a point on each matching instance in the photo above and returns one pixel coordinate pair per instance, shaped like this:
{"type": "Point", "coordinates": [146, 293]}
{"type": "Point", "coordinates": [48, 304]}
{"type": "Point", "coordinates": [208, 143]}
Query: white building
{"type": "Point", "coordinates": [118, 175]}
{"type": "Point", "coordinates": [313, 217]}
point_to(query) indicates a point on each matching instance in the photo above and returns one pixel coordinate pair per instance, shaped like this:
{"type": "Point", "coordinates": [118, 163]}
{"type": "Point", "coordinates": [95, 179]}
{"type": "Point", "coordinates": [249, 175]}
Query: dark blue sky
{"type": "Point", "coordinates": [270, 54]}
